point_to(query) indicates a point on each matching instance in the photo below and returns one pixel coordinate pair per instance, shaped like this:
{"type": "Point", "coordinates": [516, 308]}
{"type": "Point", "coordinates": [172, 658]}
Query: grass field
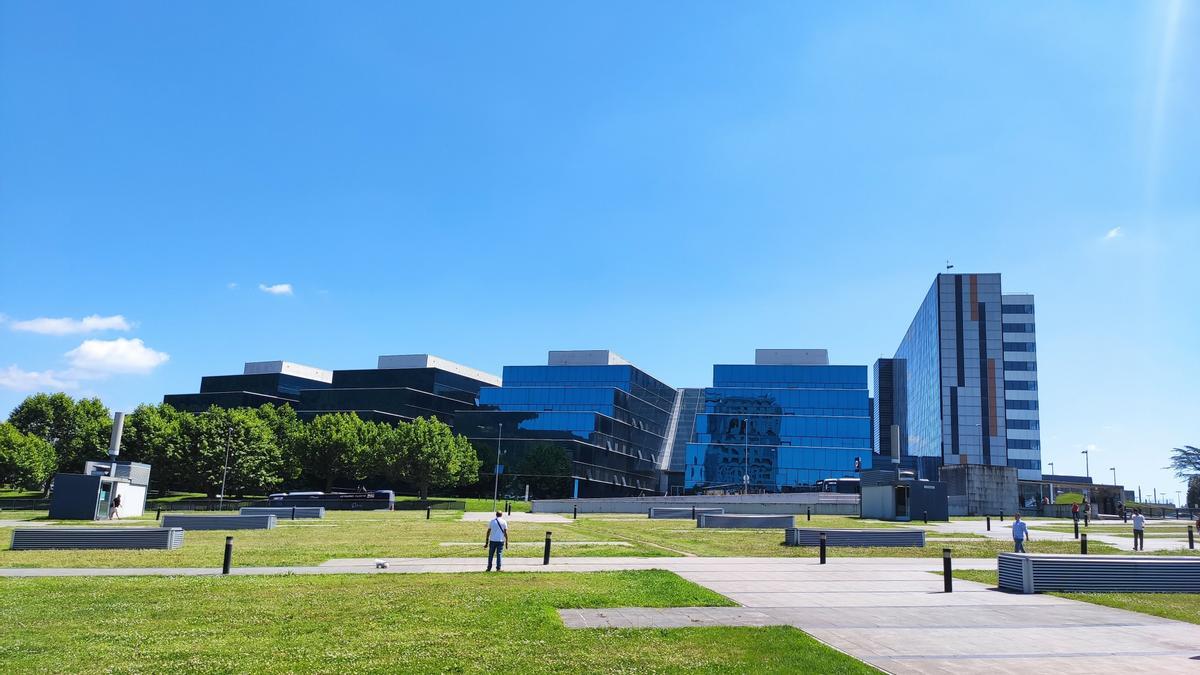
{"type": "Point", "coordinates": [379, 623]}
{"type": "Point", "coordinates": [399, 534]}
{"type": "Point", "coordinates": [1179, 606]}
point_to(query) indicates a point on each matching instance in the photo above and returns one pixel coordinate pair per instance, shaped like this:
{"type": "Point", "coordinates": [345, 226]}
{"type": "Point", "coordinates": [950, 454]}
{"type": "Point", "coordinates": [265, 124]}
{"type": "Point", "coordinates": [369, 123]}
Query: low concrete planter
{"type": "Point", "coordinates": [809, 536]}
{"type": "Point", "coordinates": [43, 538]}
{"type": "Point", "coordinates": [749, 521]}
{"type": "Point", "coordinates": [284, 512]}
{"type": "Point", "coordinates": [683, 512]}
{"type": "Point", "coordinates": [1038, 572]}
{"type": "Point", "coordinates": [220, 522]}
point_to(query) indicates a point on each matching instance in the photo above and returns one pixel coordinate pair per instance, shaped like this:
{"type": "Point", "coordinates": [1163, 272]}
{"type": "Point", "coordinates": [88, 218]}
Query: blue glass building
{"type": "Point", "coordinates": [587, 424]}
{"type": "Point", "coordinates": [786, 422]}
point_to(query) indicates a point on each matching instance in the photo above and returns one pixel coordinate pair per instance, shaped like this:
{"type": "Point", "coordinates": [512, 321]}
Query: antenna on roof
{"type": "Point", "coordinates": [949, 265]}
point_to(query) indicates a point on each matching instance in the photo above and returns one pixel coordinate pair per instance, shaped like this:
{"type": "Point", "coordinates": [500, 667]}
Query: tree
{"type": "Point", "coordinates": [546, 469]}
{"type": "Point", "coordinates": [290, 435]}
{"type": "Point", "coordinates": [154, 435]}
{"type": "Point", "coordinates": [335, 446]}
{"type": "Point", "coordinates": [1185, 461]}
{"type": "Point", "coordinates": [1193, 492]}
{"type": "Point", "coordinates": [254, 463]}
{"type": "Point", "coordinates": [26, 461]}
{"type": "Point", "coordinates": [78, 430]}
{"type": "Point", "coordinates": [427, 454]}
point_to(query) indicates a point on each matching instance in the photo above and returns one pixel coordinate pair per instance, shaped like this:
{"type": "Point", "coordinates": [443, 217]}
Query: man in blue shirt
{"type": "Point", "coordinates": [1020, 533]}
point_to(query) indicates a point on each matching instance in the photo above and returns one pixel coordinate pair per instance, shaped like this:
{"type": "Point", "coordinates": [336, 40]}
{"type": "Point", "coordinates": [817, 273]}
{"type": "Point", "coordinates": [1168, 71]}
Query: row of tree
{"type": "Point", "coordinates": [251, 450]}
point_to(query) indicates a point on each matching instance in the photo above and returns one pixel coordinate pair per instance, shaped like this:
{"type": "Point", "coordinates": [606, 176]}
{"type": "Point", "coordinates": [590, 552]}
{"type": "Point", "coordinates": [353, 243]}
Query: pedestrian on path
{"type": "Point", "coordinates": [1020, 534]}
{"type": "Point", "coordinates": [1075, 511]}
{"type": "Point", "coordinates": [1139, 530]}
{"type": "Point", "coordinates": [497, 539]}
{"type": "Point", "coordinates": [113, 507]}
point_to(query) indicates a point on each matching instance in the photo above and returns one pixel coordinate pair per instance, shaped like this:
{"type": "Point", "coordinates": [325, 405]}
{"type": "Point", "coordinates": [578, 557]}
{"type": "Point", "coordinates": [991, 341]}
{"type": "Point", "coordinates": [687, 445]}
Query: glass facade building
{"type": "Point", "coordinates": [1020, 386]}
{"type": "Point", "coordinates": [605, 420]}
{"type": "Point", "coordinates": [784, 426]}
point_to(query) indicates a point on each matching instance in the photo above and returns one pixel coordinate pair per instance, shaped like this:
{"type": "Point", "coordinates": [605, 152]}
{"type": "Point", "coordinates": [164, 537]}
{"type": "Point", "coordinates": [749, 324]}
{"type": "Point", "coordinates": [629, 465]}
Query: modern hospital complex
{"type": "Point", "coordinates": [959, 397]}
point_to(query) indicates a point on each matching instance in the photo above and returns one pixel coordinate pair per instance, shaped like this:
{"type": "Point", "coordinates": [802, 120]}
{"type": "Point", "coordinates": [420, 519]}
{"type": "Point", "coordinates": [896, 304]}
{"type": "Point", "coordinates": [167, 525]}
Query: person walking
{"type": "Point", "coordinates": [497, 539]}
{"type": "Point", "coordinates": [112, 507]}
{"type": "Point", "coordinates": [1075, 511]}
{"type": "Point", "coordinates": [1020, 534]}
{"type": "Point", "coordinates": [1139, 530]}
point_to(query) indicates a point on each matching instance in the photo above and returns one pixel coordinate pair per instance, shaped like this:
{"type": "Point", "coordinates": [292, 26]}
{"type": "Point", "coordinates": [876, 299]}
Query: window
{"type": "Point", "coordinates": [1020, 365]}
{"type": "Point", "coordinates": [1022, 424]}
{"type": "Point", "coordinates": [1016, 309]}
{"type": "Point", "coordinates": [1025, 464]}
{"type": "Point", "coordinates": [1019, 347]}
{"type": "Point", "coordinates": [1021, 405]}
{"type": "Point", "coordinates": [1017, 327]}
{"type": "Point", "coordinates": [1023, 444]}
{"type": "Point", "coordinates": [1020, 385]}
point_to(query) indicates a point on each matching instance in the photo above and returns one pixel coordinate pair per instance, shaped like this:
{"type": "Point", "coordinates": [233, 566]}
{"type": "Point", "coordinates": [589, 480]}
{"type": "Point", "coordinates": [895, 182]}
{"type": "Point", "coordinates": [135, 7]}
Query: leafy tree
{"type": "Point", "coordinates": [1185, 461]}
{"type": "Point", "coordinates": [1193, 492]}
{"type": "Point", "coordinates": [26, 461]}
{"type": "Point", "coordinates": [154, 435]}
{"type": "Point", "coordinates": [336, 445]}
{"type": "Point", "coordinates": [78, 430]}
{"type": "Point", "coordinates": [290, 436]}
{"type": "Point", "coordinates": [427, 454]}
{"type": "Point", "coordinates": [547, 470]}
{"type": "Point", "coordinates": [234, 444]}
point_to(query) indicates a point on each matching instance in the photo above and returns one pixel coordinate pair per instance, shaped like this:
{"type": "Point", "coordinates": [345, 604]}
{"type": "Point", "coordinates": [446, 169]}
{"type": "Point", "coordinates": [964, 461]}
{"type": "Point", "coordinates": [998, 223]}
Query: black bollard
{"type": "Point", "coordinates": [947, 572]}
{"type": "Point", "coordinates": [428, 512]}
{"type": "Point", "coordinates": [1191, 538]}
{"type": "Point", "coordinates": [1124, 516]}
{"type": "Point", "coordinates": [822, 548]}
{"type": "Point", "coordinates": [293, 513]}
{"type": "Point", "coordinates": [1083, 544]}
{"type": "Point", "coordinates": [508, 508]}
{"type": "Point", "coordinates": [989, 523]}
{"type": "Point", "coordinates": [228, 555]}
{"type": "Point", "coordinates": [1002, 516]}
{"type": "Point", "coordinates": [546, 551]}
{"type": "Point", "coordinates": [158, 514]}
{"type": "Point", "coordinates": [808, 513]}
{"type": "Point", "coordinates": [926, 517]}
{"type": "Point", "coordinates": [1085, 518]}
{"type": "Point", "coordinates": [1077, 529]}
{"type": "Point", "coordinates": [575, 512]}
{"type": "Point", "coordinates": [693, 513]}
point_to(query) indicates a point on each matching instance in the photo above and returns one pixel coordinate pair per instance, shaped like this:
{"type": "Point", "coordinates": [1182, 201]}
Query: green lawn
{"type": "Point", "coordinates": [398, 534]}
{"type": "Point", "coordinates": [379, 623]}
{"type": "Point", "coordinates": [1179, 606]}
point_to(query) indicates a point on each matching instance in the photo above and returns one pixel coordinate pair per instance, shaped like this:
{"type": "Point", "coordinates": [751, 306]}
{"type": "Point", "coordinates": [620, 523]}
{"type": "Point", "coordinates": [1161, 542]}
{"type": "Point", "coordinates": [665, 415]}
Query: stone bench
{"type": "Point", "coordinates": [43, 538]}
{"type": "Point", "coordinates": [683, 511]}
{"type": "Point", "coordinates": [231, 522]}
{"type": "Point", "coordinates": [740, 520]}
{"type": "Point", "coordinates": [1038, 572]}
{"type": "Point", "coordinates": [284, 512]}
{"type": "Point", "coordinates": [811, 536]}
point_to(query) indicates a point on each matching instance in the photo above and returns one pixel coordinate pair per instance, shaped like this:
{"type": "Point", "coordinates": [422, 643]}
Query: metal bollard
{"type": "Point", "coordinates": [947, 572]}
{"type": "Point", "coordinates": [926, 517]}
{"type": "Point", "coordinates": [822, 548]}
{"type": "Point", "coordinates": [1077, 529]}
{"type": "Point", "coordinates": [989, 523]}
{"type": "Point", "coordinates": [1191, 538]}
{"type": "Point", "coordinates": [293, 513]}
{"type": "Point", "coordinates": [428, 512]}
{"type": "Point", "coordinates": [575, 512]}
{"type": "Point", "coordinates": [693, 513]}
{"type": "Point", "coordinates": [808, 513]}
{"type": "Point", "coordinates": [1002, 516]}
{"type": "Point", "coordinates": [546, 551]}
{"type": "Point", "coordinates": [1085, 519]}
{"type": "Point", "coordinates": [1124, 516]}
{"type": "Point", "coordinates": [228, 555]}
{"type": "Point", "coordinates": [1083, 544]}
{"type": "Point", "coordinates": [650, 512]}
{"type": "Point", "coordinates": [508, 508]}
{"type": "Point", "coordinates": [158, 514]}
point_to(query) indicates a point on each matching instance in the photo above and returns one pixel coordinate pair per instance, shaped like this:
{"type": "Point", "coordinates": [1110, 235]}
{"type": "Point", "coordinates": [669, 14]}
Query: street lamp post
{"type": "Point", "coordinates": [225, 468]}
{"type": "Point", "coordinates": [1114, 470]}
{"type": "Point", "coordinates": [746, 441]}
{"type": "Point", "coordinates": [496, 470]}
{"type": "Point", "coordinates": [1086, 471]}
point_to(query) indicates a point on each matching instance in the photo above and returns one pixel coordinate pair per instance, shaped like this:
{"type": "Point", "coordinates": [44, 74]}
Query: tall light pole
{"type": "Point", "coordinates": [1114, 470]}
{"type": "Point", "coordinates": [496, 471]}
{"type": "Point", "coordinates": [1051, 468]}
{"type": "Point", "coordinates": [1086, 471]}
{"type": "Point", "coordinates": [746, 440]}
{"type": "Point", "coordinates": [225, 468]}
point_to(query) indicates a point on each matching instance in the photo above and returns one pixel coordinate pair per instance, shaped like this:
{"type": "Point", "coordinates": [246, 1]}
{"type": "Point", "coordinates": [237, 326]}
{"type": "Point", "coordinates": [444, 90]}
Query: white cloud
{"type": "Point", "coordinates": [97, 358]}
{"type": "Point", "coordinates": [232, 285]}
{"type": "Point", "coordinates": [27, 380]}
{"type": "Point", "coordinates": [67, 326]}
{"type": "Point", "coordinates": [276, 289]}
{"type": "Point", "coordinates": [1112, 234]}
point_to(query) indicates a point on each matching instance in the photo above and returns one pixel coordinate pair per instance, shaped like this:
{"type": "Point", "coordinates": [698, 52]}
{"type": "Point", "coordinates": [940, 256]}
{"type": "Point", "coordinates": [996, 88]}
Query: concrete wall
{"type": "Point", "coordinates": [979, 489]}
{"type": "Point", "coordinates": [794, 503]}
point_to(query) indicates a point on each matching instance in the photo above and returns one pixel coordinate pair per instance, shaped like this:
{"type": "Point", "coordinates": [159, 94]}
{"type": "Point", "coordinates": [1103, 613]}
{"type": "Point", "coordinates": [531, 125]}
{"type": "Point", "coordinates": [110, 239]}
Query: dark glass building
{"type": "Point", "coordinates": [782, 424]}
{"type": "Point", "coordinates": [595, 415]}
{"type": "Point", "coordinates": [402, 388]}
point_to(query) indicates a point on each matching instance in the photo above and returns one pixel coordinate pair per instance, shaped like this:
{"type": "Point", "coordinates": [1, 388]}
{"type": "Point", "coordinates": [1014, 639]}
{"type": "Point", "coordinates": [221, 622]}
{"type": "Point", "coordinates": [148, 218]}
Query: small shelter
{"type": "Point", "coordinates": [895, 494]}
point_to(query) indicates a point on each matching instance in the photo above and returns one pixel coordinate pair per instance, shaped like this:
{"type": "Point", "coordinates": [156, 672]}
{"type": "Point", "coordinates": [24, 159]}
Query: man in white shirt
{"type": "Point", "coordinates": [1139, 531]}
{"type": "Point", "coordinates": [497, 539]}
{"type": "Point", "coordinates": [1020, 532]}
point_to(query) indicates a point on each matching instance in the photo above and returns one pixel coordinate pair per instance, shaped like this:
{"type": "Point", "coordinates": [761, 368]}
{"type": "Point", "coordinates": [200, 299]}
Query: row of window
{"type": "Point", "coordinates": [1021, 405]}
{"type": "Point", "coordinates": [1020, 385]}
{"type": "Point", "coordinates": [1020, 365]}
{"type": "Point", "coordinates": [1019, 347]}
{"type": "Point", "coordinates": [828, 377]}
{"type": "Point", "coordinates": [1032, 425]}
{"type": "Point", "coordinates": [1017, 327]}
{"type": "Point", "coordinates": [1025, 464]}
{"type": "Point", "coordinates": [1016, 309]}
{"type": "Point", "coordinates": [1023, 444]}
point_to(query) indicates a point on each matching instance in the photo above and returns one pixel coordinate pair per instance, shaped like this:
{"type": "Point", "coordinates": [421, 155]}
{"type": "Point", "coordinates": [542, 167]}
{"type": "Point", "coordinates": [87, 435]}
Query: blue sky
{"type": "Point", "coordinates": [680, 182]}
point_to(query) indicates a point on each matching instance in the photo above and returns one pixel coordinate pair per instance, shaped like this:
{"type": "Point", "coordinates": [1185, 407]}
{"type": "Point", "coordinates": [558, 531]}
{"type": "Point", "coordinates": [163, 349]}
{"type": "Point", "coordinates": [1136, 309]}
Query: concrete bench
{"type": "Point", "coordinates": [266, 522]}
{"type": "Point", "coordinates": [1038, 572]}
{"type": "Point", "coordinates": [738, 520]}
{"type": "Point", "coordinates": [284, 512]}
{"type": "Point", "coordinates": [43, 538]}
{"type": "Point", "coordinates": [682, 511]}
{"type": "Point", "coordinates": [811, 536]}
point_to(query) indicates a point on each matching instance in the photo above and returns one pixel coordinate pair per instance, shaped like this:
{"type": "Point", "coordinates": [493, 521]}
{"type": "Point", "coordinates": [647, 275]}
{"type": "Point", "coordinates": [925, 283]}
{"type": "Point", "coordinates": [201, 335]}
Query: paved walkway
{"type": "Point", "coordinates": [889, 612]}
{"type": "Point", "coordinates": [1123, 540]}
